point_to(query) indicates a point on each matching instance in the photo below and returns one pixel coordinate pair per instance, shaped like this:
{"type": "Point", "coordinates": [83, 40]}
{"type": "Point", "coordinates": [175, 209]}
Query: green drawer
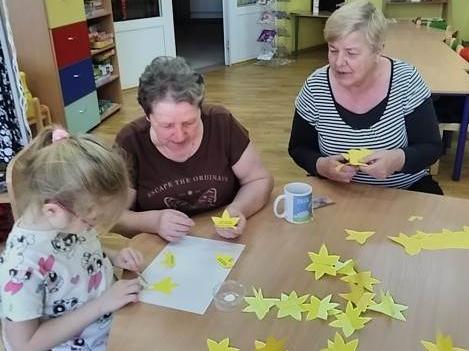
{"type": "Point", "coordinates": [83, 114]}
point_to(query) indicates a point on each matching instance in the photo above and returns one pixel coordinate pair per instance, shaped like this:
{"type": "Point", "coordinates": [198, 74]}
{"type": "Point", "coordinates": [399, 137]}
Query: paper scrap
{"type": "Point", "coordinates": [259, 304]}
{"type": "Point", "coordinates": [165, 286]}
{"type": "Point", "coordinates": [359, 237]}
{"type": "Point", "coordinates": [446, 239]}
{"type": "Point", "coordinates": [350, 320]}
{"type": "Point", "coordinates": [290, 305]}
{"type": "Point", "coordinates": [322, 263]}
{"type": "Point", "coordinates": [355, 156]}
{"type": "Point", "coordinates": [271, 344]}
{"type": "Point", "coordinates": [223, 345]}
{"type": "Point", "coordinates": [169, 260]}
{"type": "Point", "coordinates": [415, 218]}
{"type": "Point", "coordinates": [225, 261]}
{"type": "Point", "coordinates": [388, 307]}
{"type": "Point", "coordinates": [443, 343]}
{"type": "Point", "coordinates": [225, 221]}
{"type": "Point", "coordinates": [340, 345]}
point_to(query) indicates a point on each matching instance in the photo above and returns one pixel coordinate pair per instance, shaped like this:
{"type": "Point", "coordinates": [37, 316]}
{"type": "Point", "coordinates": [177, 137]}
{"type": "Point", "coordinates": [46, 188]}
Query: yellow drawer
{"type": "Point", "coordinates": [63, 12]}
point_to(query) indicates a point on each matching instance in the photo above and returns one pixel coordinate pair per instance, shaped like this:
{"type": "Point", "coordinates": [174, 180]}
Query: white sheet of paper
{"type": "Point", "coordinates": [196, 273]}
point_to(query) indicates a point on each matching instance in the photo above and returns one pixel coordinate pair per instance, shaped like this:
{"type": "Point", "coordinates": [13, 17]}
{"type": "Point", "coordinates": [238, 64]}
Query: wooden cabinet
{"type": "Point", "coordinates": [53, 49]}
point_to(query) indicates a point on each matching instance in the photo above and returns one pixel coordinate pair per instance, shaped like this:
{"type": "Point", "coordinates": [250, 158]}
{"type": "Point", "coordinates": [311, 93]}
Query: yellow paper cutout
{"type": "Point", "coordinates": [446, 239]}
{"type": "Point", "coordinates": [388, 307]}
{"type": "Point", "coordinates": [355, 156]}
{"type": "Point", "coordinates": [290, 305]}
{"type": "Point", "coordinates": [340, 345]}
{"type": "Point", "coordinates": [415, 218]}
{"type": "Point", "coordinates": [322, 263]}
{"type": "Point", "coordinates": [359, 237]}
{"type": "Point", "coordinates": [317, 308]}
{"type": "Point", "coordinates": [346, 268]}
{"type": "Point", "coordinates": [360, 298]}
{"type": "Point", "coordinates": [225, 221]}
{"type": "Point", "coordinates": [363, 279]}
{"type": "Point", "coordinates": [165, 286]}
{"type": "Point", "coordinates": [258, 304]}
{"type": "Point", "coordinates": [169, 260]}
{"type": "Point", "coordinates": [226, 261]}
{"type": "Point", "coordinates": [223, 345]}
{"type": "Point", "coordinates": [443, 343]}
{"type": "Point", "coordinates": [271, 344]}
{"type": "Point", "coordinates": [350, 320]}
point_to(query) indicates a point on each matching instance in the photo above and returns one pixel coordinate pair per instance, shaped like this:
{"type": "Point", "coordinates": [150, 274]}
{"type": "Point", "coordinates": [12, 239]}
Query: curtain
{"type": "Point", "coordinates": [14, 131]}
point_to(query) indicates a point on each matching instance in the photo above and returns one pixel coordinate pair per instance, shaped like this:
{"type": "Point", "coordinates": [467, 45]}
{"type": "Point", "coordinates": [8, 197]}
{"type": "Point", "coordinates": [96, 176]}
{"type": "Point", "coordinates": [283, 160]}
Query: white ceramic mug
{"type": "Point", "coordinates": [298, 200]}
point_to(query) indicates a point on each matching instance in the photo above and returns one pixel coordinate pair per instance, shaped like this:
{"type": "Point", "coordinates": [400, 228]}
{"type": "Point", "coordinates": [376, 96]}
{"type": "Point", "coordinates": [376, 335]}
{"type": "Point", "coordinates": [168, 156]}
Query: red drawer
{"type": "Point", "coordinates": [71, 43]}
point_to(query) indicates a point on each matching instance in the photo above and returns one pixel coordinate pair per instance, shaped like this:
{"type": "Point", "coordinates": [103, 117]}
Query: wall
{"type": "Point", "coordinates": [413, 10]}
{"type": "Point", "coordinates": [457, 16]}
{"type": "Point", "coordinates": [206, 8]}
{"type": "Point", "coordinates": [311, 29]}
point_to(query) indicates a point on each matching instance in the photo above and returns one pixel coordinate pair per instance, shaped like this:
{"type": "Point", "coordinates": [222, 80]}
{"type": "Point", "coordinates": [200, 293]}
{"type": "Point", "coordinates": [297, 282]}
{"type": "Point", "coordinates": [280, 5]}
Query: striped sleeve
{"type": "Point", "coordinates": [304, 104]}
{"type": "Point", "coordinates": [417, 92]}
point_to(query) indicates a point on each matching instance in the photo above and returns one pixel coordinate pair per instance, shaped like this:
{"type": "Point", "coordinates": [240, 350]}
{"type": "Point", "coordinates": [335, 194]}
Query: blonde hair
{"type": "Point", "coordinates": [78, 172]}
{"type": "Point", "coordinates": [360, 15]}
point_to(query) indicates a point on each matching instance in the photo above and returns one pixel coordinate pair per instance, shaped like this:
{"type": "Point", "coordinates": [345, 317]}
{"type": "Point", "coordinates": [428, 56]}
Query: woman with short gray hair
{"type": "Point", "coordinates": [187, 157]}
{"type": "Point", "coordinates": [365, 100]}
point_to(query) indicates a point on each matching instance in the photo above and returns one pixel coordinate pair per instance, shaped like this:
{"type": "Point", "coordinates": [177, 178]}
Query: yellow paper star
{"type": "Point", "coordinates": [271, 344]}
{"type": "Point", "coordinates": [225, 221]}
{"type": "Point", "coordinates": [169, 260]}
{"type": "Point", "coordinates": [359, 297]}
{"type": "Point", "coordinates": [349, 320]}
{"type": "Point", "coordinates": [363, 279]}
{"type": "Point", "coordinates": [226, 261]}
{"type": "Point", "coordinates": [165, 286]}
{"type": "Point", "coordinates": [319, 308]}
{"type": "Point", "coordinates": [359, 237]}
{"type": "Point", "coordinates": [388, 307]}
{"type": "Point", "coordinates": [340, 345]}
{"type": "Point", "coordinates": [322, 263]}
{"type": "Point", "coordinates": [355, 156]}
{"type": "Point", "coordinates": [415, 218]}
{"type": "Point", "coordinates": [443, 343]}
{"type": "Point", "coordinates": [290, 305]}
{"type": "Point", "coordinates": [258, 304]}
{"type": "Point", "coordinates": [223, 345]}
{"type": "Point", "coordinates": [346, 268]}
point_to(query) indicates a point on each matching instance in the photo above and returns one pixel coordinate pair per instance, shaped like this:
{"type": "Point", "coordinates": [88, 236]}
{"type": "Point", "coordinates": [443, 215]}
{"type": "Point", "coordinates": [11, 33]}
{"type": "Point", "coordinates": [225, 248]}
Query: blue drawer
{"type": "Point", "coordinates": [77, 81]}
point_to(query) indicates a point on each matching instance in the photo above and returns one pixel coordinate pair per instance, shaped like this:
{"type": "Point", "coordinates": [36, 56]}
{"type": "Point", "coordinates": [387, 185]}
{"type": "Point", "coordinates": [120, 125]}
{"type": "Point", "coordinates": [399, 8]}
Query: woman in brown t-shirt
{"type": "Point", "coordinates": [186, 157]}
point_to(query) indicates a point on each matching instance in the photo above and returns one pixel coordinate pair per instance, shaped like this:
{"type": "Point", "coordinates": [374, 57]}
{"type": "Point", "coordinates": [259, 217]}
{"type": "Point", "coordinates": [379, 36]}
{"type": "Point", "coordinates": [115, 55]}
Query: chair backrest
{"type": "Point", "coordinates": [15, 183]}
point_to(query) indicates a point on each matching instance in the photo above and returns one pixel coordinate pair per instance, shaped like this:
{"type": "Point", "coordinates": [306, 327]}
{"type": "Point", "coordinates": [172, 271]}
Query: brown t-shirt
{"type": "Point", "coordinates": [203, 182]}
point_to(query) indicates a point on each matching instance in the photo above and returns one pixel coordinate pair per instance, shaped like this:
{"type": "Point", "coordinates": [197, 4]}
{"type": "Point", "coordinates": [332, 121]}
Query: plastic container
{"type": "Point", "coordinates": [228, 295]}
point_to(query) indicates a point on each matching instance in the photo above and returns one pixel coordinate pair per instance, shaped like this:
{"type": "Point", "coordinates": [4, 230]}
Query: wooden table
{"type": "Point", "coordinates": [443, 69]}
{"type": "Point", "coordinates": [297, 15]}
{"type": "Point", "coordinates": [433, 284]}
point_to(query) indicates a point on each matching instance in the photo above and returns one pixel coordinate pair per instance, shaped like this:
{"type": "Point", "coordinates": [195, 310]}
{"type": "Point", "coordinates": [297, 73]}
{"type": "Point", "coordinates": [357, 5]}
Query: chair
{"type": "Point", "coordinates": [38, 115]}
{"type": "Point", "coordinates": [444, 127]}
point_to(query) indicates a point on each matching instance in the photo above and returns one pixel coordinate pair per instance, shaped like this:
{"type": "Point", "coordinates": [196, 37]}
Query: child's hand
{"type": "Point", "coordinates": [129, 259]}
{"type": "Point", "coordinates": [118, 295]}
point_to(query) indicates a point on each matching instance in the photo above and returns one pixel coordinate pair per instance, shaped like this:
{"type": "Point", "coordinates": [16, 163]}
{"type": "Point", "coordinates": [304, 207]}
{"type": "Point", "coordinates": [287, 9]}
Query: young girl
{"type": "Point", "coordinates": [57, 290]}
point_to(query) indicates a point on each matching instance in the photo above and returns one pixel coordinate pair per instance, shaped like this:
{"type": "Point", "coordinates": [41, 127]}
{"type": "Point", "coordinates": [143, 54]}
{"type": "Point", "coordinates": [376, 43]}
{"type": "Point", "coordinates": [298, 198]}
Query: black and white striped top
{"type": "Point", "coordinates": [316, 105]}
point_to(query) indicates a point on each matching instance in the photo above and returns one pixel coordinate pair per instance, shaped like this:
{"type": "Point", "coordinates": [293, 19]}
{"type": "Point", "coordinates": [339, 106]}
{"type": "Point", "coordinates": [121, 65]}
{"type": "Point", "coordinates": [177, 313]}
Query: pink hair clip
{"type": "Point", "coordinates": [59, 134]}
